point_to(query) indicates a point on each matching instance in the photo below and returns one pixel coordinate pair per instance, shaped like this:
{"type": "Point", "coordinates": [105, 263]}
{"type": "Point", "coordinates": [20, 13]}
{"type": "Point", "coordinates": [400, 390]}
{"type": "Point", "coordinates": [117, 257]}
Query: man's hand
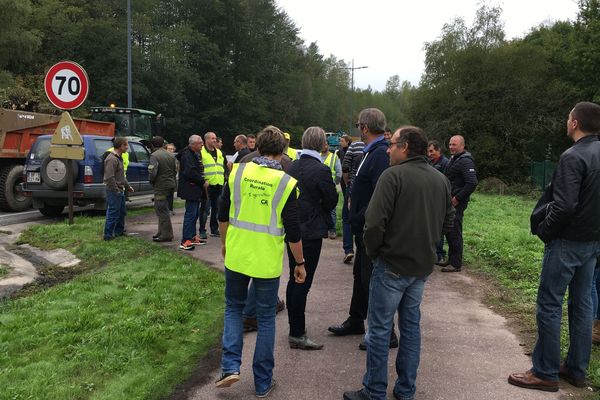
{"type": "Point", "coordinates": [130, 189]}
{"type": "Point", "coordinates": [206, 185]}
{"type": "Point", "coordinates": [299, 274]}
{"type": "Point", "coordinates": [223, 250]}
{"type": "Point", "coordinates": [454, 201]}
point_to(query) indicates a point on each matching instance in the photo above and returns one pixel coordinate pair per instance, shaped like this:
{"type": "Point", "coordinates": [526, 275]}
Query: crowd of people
{"type": "Point", "coordinates": [402, 199]}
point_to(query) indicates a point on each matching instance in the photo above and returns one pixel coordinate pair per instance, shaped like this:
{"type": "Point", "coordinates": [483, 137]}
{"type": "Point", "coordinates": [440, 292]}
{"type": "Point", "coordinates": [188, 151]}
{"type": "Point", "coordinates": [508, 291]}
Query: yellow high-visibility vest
{"type": "Point", "coordinates": [292, 153]}
{"type": "Point", "coordinates": [255, 234]}
{"type": "Point", "coordinates": [330, 162]}
{"type": "Point", "coordinates": [214, 172]}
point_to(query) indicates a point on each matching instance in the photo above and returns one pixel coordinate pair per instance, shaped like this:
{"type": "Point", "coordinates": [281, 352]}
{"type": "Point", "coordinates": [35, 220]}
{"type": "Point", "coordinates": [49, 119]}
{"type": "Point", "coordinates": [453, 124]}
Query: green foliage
{"type": "Point", "coordinates": [131, 328]}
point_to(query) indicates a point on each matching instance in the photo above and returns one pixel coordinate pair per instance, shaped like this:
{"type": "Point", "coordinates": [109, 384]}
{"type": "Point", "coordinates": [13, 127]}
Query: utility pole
{"type": "Point", "coordinates": [129, 96]}
{"type": "Point", "coordinates": [352, 68]}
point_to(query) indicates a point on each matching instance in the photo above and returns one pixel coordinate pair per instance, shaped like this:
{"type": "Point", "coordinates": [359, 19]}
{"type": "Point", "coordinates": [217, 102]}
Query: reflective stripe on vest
{"type": "Point", "coordinates": [255, 235]}
{"type": "Point", "coordinates": [330, 162]}
{"type": "Point", "coordinates": [214, 172]}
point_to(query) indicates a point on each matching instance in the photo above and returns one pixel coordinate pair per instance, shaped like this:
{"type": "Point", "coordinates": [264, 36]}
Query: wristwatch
{"type": "Point", "coordinates": [300, 264]}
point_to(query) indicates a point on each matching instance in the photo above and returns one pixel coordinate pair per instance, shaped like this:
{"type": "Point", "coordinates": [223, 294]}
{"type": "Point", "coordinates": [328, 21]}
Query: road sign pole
{"type": "Point", "coordinates": [70, 189]}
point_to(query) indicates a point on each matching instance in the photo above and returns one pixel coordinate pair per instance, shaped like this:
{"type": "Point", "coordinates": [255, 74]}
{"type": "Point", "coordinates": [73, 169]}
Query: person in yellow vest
{"type": "Point", "coordinates": [292, 153]}
{"type": "Point", "coordinates": [332, 161]}
{"type": "Point", "coordinates": [215, 165]}
{"type": "Point", "coordinates": [258, 210]}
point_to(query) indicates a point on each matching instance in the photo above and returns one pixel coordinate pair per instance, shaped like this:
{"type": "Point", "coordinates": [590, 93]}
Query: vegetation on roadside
{"type": "Point", "coordinates": [3, 270]}
{"type": "Point", "coordinates": [499, 247]}
{"type": "Point", "coordinates": [133, 326]}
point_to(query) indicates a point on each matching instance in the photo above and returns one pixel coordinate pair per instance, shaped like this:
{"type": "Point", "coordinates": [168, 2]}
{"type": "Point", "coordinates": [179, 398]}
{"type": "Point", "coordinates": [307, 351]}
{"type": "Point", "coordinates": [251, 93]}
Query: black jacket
{"type": "Point", "coordinates": [191, 175]}
{"type": "Point", "coordinates": [375, 162]}
{"type": "Point", "coordinates": [318, 195]}
{"type": "Point", "coordinates": [462, 176]}
{"type": "Point", "coordinates": [573, 210]}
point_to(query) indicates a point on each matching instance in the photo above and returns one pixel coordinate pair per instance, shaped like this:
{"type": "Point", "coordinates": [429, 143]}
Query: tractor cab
{"type": "Point", "coordinates": [130, 121]}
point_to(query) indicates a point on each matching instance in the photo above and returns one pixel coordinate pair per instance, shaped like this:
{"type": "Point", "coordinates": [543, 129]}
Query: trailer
{"type": "Point", "coordinates": [18, 131]}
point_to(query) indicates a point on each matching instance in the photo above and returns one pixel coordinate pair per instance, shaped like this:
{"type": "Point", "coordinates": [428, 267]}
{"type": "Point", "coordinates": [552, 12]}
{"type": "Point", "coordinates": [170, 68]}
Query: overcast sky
{"type": "Point", "coordinates": [388, 35]}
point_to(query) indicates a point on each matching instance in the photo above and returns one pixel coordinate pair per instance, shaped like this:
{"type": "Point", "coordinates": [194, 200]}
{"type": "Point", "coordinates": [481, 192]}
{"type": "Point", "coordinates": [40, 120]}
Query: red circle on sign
{"type": "Point", "coordinates": [62, 97]}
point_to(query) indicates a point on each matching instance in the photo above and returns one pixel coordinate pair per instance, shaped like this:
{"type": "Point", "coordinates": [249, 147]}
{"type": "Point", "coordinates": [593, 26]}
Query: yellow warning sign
{"type": "Point", "coordinates": [66, 132]}
{"type": "Point", "coordinates": [67, 152]}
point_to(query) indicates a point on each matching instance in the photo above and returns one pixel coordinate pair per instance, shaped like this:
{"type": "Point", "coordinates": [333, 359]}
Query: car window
{"type": "Point", "coordinates": [101, 146]}
{"type": "Point", "coordinates": [41, 149]}
{"type": "Point", "coordinates": [141, 154]}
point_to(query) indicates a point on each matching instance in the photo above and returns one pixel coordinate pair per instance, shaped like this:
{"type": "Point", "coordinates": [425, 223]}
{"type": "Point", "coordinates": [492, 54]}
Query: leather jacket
{"type": "Point", "coordinates": [574, 210]}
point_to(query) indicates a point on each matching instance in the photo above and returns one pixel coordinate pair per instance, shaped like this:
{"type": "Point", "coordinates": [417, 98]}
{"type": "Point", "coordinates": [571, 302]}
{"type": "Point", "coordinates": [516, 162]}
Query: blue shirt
{"type": "Point", "coordinates": [368, 147]}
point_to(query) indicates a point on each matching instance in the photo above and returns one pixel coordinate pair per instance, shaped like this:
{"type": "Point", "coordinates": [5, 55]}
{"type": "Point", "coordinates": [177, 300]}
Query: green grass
{"type": "Point", "coordinates": [499, 248]}
{"type": "Point", "coordinates": [132, 326]}
{"type": "Point", "coordinates": [3, 270]}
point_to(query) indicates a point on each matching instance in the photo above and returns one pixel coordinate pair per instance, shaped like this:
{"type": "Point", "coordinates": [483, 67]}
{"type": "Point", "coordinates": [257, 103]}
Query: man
{"type": "Point", "coordinates": [291, 153]}
{"type": "Point", "coordinates": [219, 143]}
{"type": "Point", "coordinates": [116, 185]}
{"type": "Point", "coordinates": [387, 134]}
{"type": "Point", "coordinates": [191, 188]}
{"type": "Point", "coordinates": [352, 160]}
{"type": "Point", "coordinates": [162, 173]}
{"type": "Point", "coordinates": [258, 208]}
{"type": "Point", "coordinates": [241, 146]}
{"type": "Point", "coordinates": [331, 160]}
{"type": "Point", "coordinates": [439, 162]}
{"type": "Point", "coordinates": [251, 142]}
{"type": "Point", "coordinates": [403, 247]}
{"type": "Point", "coordinates": [215, 165]}
{"type": "Point", "coordinates": [345, 142]}
{"type": "Point", "coordinates": [171, 149]}
{"type": "Point", "coordinates": [463, 180]}
{"type": "Point", "coordinates": [567, 220]}
{"type": "Point", "coordinates": [371, 124]}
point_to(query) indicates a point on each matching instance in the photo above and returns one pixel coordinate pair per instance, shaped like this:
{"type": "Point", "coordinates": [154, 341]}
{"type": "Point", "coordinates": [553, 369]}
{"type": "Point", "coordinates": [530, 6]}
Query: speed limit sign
{"type": "Point", "coordinates": [66, 85]}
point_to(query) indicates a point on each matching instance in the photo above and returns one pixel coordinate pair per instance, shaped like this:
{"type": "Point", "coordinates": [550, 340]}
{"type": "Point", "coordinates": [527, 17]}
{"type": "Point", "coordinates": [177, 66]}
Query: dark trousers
{"type": "Point", "coordinates": [455, 237]}
{"type": "Point", "coordinates": [161, 208]}
{"type": "Point", "coordinates": [214, 194]}
{"type": "Point", "coordinates": [170, 199]}
{"type": "Point", "coordinates": [362, 270]}
{"type": "Point", "coordinates": [297, 293]}
{"type": "Point", "coordinates": [346, 228]}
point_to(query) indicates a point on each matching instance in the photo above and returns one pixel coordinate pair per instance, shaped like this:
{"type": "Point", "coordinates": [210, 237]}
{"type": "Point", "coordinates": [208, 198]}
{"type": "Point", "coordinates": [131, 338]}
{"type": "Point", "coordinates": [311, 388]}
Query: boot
{"type": "Point", "coordinates": [596, 332]}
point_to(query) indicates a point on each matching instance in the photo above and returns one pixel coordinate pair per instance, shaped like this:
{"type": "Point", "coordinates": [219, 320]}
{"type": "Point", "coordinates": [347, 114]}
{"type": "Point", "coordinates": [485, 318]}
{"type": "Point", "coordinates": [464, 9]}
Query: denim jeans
{"type": "Point", "coordinates": [250, 305]}
{"type": "Point", "coordinates": [236, 288]}
{"type": "Point", "coordinates": [390, 292]}
{"type": "Point", "coordinates": [440, 250]}
{"type": "Point", "coordinates": [189, 220]}
{"type": "Point", "coordinates": [346, 228]}
{"type": "Point", "coordinates": [596, 291]}
{"type": "Point", "coordinates": [212, 207]}
{"type": "Point", "coordinates": [565, 264]}
{"type": "Point", "coordinates": [115, 214]}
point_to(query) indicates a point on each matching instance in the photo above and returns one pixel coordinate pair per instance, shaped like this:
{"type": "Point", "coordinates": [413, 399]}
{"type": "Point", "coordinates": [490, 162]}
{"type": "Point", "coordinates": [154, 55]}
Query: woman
{"type": "Point", "coordinates": [317, 198]}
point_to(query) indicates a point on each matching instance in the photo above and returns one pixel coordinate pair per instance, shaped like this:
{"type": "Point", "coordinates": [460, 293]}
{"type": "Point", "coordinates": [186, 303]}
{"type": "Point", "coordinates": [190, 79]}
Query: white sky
{"type": "Point", "coordinates": [388, 35]}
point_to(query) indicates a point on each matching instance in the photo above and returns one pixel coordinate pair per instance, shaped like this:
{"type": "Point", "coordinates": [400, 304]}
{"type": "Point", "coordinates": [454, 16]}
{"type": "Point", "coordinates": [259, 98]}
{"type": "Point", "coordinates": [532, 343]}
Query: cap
{"type": "Point", "coordinates": [286, 136]}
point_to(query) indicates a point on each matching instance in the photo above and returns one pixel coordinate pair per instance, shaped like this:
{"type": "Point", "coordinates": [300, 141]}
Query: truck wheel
{"type": "Point", "coordinates": [11, 196]}
{"type": "Point", "coordinates": [54, 172]}
{"type": "Point", "coordinates": [51, 211]}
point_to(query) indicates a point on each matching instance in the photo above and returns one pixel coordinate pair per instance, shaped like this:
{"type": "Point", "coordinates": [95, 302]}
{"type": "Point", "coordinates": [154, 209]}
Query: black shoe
{"type": "Point", "coordinates": [250, 324]}
{"type": "Point", "coordinates": [227, 379]}
{"type": "Point", "coordinates": [280, 306]}
{"type": "Point", "coordinates": [451, 268]}
{"type": "Point", "coordinates": [155, 236]}
{"type": "Point", "coordinates": [393, 342]}
{"type": "Point", "coordinates": [160, 240]}
{"type": "Point", "coordinates": [347, 328]}
{"type": "Point", "coordinates": [442, 263]}
{"type": "Point", "coordinates": [358, 395]}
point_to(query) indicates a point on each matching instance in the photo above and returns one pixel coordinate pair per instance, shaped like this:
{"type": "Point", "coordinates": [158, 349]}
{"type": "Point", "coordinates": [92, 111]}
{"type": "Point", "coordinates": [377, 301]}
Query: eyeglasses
{"type": "Point", "coordinates": [358, 125]}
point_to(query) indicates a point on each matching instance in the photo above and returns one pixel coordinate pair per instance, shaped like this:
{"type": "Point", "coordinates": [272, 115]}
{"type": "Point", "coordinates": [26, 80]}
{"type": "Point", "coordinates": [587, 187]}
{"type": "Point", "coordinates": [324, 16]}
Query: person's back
{"type": "Point", "coordinates": [164, 180]}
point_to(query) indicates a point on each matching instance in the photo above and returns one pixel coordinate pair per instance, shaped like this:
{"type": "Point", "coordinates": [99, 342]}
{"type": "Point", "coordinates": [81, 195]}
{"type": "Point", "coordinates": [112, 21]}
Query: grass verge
{"type": "Point", "coordinates": [133, 326]}
{"type": "Point", "coordinates": [500, 249]}
{"type": "Point", "coordinates": [3, 270]}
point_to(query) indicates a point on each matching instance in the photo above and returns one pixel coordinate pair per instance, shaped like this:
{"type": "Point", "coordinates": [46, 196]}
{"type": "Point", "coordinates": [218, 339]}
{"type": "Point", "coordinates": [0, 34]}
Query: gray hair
{"type": "Point", "coordinates": [373, 119]}
{"type": "Point", "coordinates": [243, 139]}
{"type": "Point", "coordinates": [208, 134]}
{"type": "Point", "coordinates": [194, 139]}
{"type": "Point", "coordinates": [314, 138]}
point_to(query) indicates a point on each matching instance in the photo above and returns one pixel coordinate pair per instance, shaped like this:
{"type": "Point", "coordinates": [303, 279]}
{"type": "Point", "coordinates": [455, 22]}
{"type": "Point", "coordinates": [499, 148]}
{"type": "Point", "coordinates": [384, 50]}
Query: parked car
{"type": "Point", "coordinates": [46, 177]}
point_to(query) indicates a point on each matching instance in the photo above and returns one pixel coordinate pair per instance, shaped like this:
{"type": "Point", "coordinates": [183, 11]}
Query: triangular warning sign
{"type": "Point", "coordinates": [66, 132]}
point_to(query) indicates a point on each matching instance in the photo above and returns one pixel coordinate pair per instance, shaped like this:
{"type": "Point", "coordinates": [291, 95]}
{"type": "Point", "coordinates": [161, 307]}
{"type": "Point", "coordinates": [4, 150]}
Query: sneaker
{"type": "Point", "coordinates": [227, 379]}
{"type": "Point", "coordinates": [303, 343]}
{"type": "Point", "coordinates": [215, 234]}
{"type": "Point", "coordinates": [187, 245]}
{"type": "Point", "coordinates": [348, 258]}
{"type": "Point", "coordinates": [203, 235]}
{"type": "Point", "coordinates": [269, 390]}
{"type": "Point", "coordinates": [332, 235]}
{"type": "Point", "coordinates": [198, 241]}
{"type": "Point", "coordinates": [451, 268]}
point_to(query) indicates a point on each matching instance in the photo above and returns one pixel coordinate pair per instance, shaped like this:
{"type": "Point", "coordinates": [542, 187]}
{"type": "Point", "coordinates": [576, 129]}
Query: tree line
{"type": "Point", "coordinates": [234, 66]}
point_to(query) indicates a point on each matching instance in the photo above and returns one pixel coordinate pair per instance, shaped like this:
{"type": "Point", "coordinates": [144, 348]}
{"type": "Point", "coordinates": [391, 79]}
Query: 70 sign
{"type": "Point", "coordinates": [66, 85]}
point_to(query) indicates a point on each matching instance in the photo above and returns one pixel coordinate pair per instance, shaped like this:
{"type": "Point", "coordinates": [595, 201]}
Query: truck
{"type": "Point", "coordinates": [20, 129]}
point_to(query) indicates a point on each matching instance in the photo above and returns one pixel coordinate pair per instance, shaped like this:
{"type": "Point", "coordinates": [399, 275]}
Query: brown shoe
{"type": "Point", "coordinates": [564, 374]}
{"type": "Point", "coordinates": [280, 306]}
{"type": "Point", "coordinates": [250, 324]}
{"type": "Point", "coordinates": [528, 380]}
{"type": "Point", "coordinates": [451, 268]}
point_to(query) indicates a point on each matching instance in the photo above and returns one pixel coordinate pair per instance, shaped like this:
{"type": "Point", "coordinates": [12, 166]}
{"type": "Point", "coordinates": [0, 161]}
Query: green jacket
{"type": "Point", "coordinates": [162, 173]}
{"type": "Point", "coordinates": [405, 217]}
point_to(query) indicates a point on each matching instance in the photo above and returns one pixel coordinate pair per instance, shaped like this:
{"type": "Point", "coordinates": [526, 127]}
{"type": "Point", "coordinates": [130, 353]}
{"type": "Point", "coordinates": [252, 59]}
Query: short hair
{"type": "Point", "coordinates": [251, 136]}
{"type": "Point", "coordinates": [347, 138]}
{"type": "Point", "coordinates": [270, 141]}
{"type": "Point", "coordinates": [314, 138]}
{"type": "Point", "coordinates": [157, 142]}
{"type": "Point", "coordinates": [242, 138]}
{"type": "Point", "coordinates": [172, 144]}
{"type": "Point", "coordinates": [588, 116]}
{"type": "Point", "coordinates": [436, 145]}
{"type": "Point", "coordinates": [416, 139]}
{"type": "Point", "coordinates": [219, 139]}
{"type": "Point", "coordinates": [194, 138]}
{"type": "Point", "coordinates": [388, 129]}
{"type": "Point", "coordinates": [373, 119]}
{"type": "Point", "coordinates": [207, 134]}
{"type": "Point", "coordinates": [119, 141]}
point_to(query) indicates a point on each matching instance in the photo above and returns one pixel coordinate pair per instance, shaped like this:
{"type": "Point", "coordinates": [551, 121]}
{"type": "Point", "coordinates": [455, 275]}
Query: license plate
{"type": "Point", "coordinates": [33, 177]}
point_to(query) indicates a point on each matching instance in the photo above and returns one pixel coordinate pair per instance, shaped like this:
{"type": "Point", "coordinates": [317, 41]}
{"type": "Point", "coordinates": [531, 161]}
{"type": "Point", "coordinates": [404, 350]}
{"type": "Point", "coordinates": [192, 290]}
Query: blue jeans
{"type": "Point", "coordinates": [115, 214]}
{"type": "Point", "coordinates": [596, 292]}
{"type": "Point", "coordinates": [390, 292]}
{"type": "Point", "coordinates": [236, 288]}
{"type": "Point", "coordinates": [346, 227]}
{"type": "Point", "coordinates": [440, 250]}
{"type": "Point", "coordinates": [189, 220]}
{"type": "Point", "coordinates": [250, 306]}
{"type": "Point", "coordinates": [565, 264]}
